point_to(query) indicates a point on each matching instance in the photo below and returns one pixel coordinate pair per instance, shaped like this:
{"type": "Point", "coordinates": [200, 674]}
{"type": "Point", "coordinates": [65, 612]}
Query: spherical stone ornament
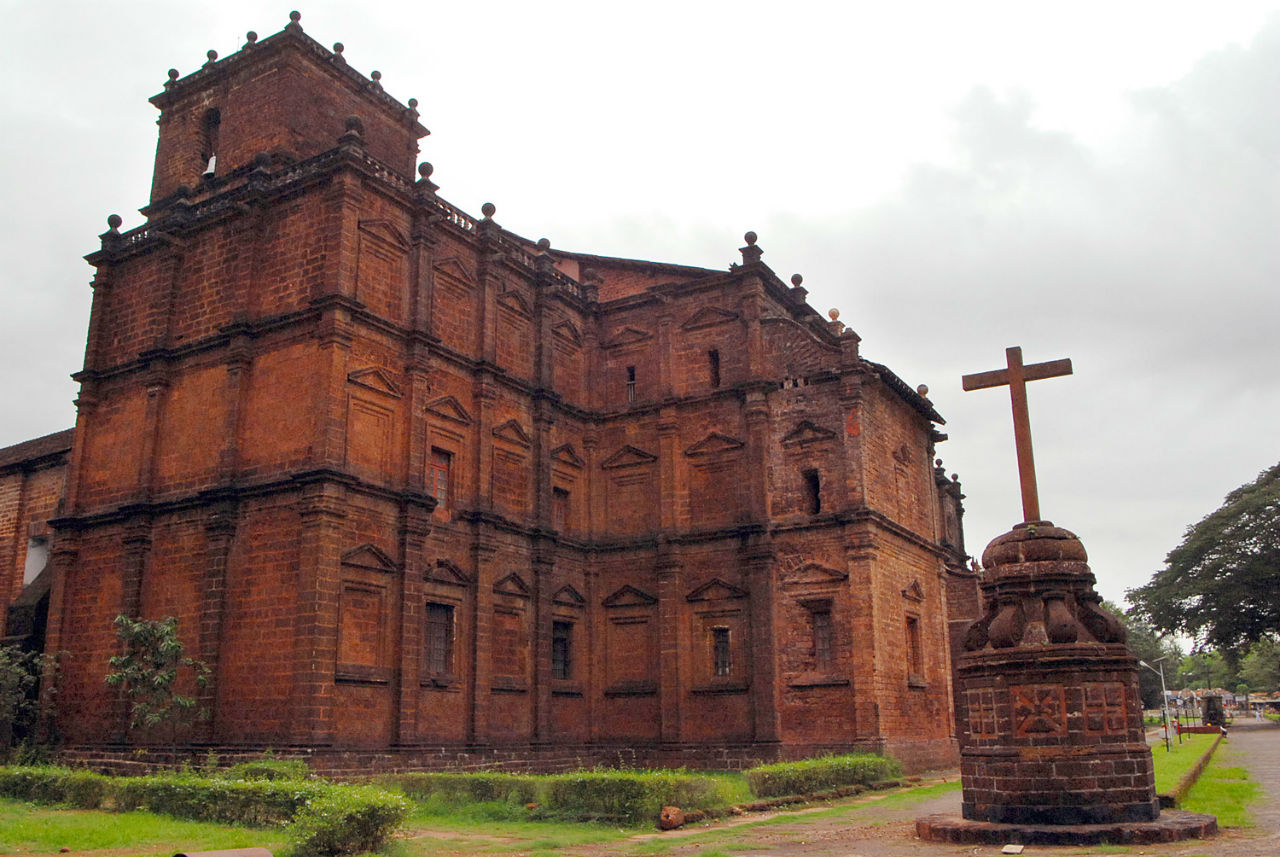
{"type": "Point", "coordinates": [751, 238]}
{"type": "Point", "coordinates": [833, 314]}
{"type": "Point", "coordinates": [114, 221]}
{"type": "Point", "coordinates": [488, 209]}
{"type": "Point", "coordinates": [544, 244]}
{"type": "Point", "coordinates": [796, 280]}
{"type": "Point", "coordinates": [425, 169]}
{"type": "Point", "coordinates": [295, 16]}
{"type": "Point", "coordinates": [1037, 541]}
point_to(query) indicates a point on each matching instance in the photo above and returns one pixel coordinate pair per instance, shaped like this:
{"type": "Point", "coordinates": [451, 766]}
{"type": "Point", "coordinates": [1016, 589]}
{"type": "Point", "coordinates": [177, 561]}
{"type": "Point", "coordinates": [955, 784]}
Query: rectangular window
{"type": "Point", "coordinates": [721, 661]}
{"type": "Point", "coordinates": [812, 491]}
{"type": "Point", "coordinates": [561, 650]}
{"type": "Point", "coordinates": [439, 651]}
{"type": "Point", "coordinates": [713, 364]}
{"type": "Point", "coordinates": [820, 618]}
{"type": "Point", "coordinates": [915, 657]}
{"type": "Point", "coordinates": [631, 383]}
{"type": "Point", "coordinates": [559, 508]}
{"type": "Point", "coordinates": [439, 477]}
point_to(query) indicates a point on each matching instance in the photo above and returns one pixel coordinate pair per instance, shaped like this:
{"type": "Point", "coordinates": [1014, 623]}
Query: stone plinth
{"type": "Point", "coordinates": [1047, 699]}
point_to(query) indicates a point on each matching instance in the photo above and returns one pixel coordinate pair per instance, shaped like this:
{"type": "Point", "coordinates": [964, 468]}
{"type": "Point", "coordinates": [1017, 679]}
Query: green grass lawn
{"type": "Point", "coordinates": [1225, 791]}
{"type": "Point", "coordinates": [29, 829]}
{"type": "Point", "coordinates": [1171, 765]}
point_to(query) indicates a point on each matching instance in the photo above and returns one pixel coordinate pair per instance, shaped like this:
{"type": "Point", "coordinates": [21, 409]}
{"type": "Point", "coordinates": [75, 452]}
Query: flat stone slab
{"type": "Point", "coordinates": [1172, 826]}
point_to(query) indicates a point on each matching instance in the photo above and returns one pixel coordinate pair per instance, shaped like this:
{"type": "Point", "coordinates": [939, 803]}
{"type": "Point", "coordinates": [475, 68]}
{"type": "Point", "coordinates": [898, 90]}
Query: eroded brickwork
{"type": "Point", "coordinates": [411, 481]}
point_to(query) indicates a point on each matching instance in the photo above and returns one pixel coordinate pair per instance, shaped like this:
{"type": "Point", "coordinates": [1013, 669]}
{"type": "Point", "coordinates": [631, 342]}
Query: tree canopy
{"type": "Point", "coordinates": [1221, 586]}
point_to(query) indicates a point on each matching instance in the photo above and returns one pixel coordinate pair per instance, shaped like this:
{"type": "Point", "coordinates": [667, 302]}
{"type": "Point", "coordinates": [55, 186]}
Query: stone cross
{"type": "Point", "coordinates": [1016, 377]}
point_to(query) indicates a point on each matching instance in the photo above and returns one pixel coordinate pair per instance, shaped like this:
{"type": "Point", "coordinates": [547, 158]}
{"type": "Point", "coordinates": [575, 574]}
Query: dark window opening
{"type": "Point", "coordinates": [561, 650]}
{"type": "Point", "coordinates": [812, 492]}
{"type": "Point", "coordinates": [439, 654]}
{"type": "Point", "coordinates": [438, 478]}
{"type": "Point", "coordinates": [713, 361]}
{"type": "Point", "coordinates": [721, 661]}
{"type": "Point", "coordinates": [209, 139]}
{"type": "Point", "coordinates": [820, 617]}
{"type": "Point", "coordinates": [631, 383]}
{"type": "Point", "coordinates": [915, 657]}
{"type": "Point", "coordinates": [559, 508]}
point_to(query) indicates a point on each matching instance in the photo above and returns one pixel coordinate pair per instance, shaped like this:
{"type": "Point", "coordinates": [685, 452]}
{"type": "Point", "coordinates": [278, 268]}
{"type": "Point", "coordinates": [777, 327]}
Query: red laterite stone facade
{"type": "Point", "coordinates": [416, 486]}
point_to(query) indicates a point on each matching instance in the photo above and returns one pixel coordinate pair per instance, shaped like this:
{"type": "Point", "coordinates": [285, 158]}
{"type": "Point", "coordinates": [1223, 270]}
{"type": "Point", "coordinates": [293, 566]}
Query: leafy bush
{"type": "Point", "coordinates": [814, 775]}
{"type": "Point", "coordinates": [629, 796]}
{"type": "Point", "coordinates": [79, 789]}
{"type": "Point", "coordinates": [260, 803]}
{"type": "Point", "coordinates": [467, 788]}
{"type": "Point", "coordinates": [347, 821]}
{"type": "Point", "coordinates": [267, 769]}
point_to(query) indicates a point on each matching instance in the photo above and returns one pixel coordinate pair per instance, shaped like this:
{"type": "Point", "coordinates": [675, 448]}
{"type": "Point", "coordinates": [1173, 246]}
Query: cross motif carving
{"type": "Point", "coordinates": [1016, 377]}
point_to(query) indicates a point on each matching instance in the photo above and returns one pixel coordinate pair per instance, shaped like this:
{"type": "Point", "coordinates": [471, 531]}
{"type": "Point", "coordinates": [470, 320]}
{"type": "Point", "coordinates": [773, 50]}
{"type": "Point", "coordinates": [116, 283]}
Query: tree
{"type": "Point", "coordinates": [1156, 650]}
{"type": "Point", "coordinates": [148, 671]}
{"type": "Point", "coordinates": [19, 674]}
{"type": "Point", "coordinates": [1220, 585]}
{"type": "Point", "coordinates": [1260, 668]}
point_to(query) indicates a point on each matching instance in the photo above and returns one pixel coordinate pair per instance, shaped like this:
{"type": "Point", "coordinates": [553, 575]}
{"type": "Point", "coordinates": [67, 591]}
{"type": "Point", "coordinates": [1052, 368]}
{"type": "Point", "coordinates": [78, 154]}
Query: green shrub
{"type": "Point", "coordinates": [80, 789]}
{"type": "Point", "coordinates": [267, 769]}
{"type": "Point", "coordinates": [629, 796]}
{"type": "Point", "coordinates": [814, 775]}
{"type": "Point", "coordinates": [256, 803]}
{"type": "Point", "coordinates": [347, 820]}
{"type": "Point", "coordinates": [466, 788]}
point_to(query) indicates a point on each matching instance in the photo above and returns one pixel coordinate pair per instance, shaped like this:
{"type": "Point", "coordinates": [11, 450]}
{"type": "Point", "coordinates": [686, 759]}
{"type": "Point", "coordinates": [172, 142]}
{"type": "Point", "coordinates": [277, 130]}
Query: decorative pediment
{"type": "Point", "coordinates": [565, 455]}
{"type": "Point", "coordinates": [453, 269]}
{"type": "Point", "coordinates": [386, 231]}
{"type": "Point", "coordinates": [377, 380]}
{"type": "Point", "coordinates": [708, 316]}
{"type": "Point", "coordinates": [806, 432]}
{"type": "Point", "coordinates": [914, 592]}
{"type": "Point", "coordinates": [629, 596]}
{"type": "Point", "coordinates": [445, 571]}
{"type": "Point", "coordinates": [512, 584]}
{"type": "Point", "coordinates": [566, 331]}
{"type": "Point", "coordinates": [515, 302]}
{"type": "Point", "coordinates": [714, 444]}
{"type": "Point", "coordinates": [511, 432]}
{"type": "Point", "coordinates": [449, 408]}
{"type": "Point", "coordinates": [370, 557]}
{"type": "Point", "coordinates": [813, 574]}
{"type": "Point", "coordinates": [716, 590]}
{"type": "Point", "coordinates": [628, 336]}
{"type": "Point", "coordinates": [567, 596]}
{"type": "Point", "coordinates": [628, 456]}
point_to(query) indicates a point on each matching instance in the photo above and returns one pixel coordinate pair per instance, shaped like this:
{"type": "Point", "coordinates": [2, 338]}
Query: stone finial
{"type": "Point", "coordinates": [750, 253]}
{"type": "Point", "coordinates": [338, 48]}
{"type": "Point", "coordinates": [424, 178]}
{"type": "Point", "coordinates": [354, 133]}
{"type": "Point", "coordinates": [413, 104]}
{"type": "Point", "coordinates": [751, 238]}
{"type": "Point", "coordinates": [923, 391]}
{"type": "Point", "coordinates": [353, 123]}
{"type": "Point", "coordinates": [488, 210]}
{"type": "Point", "coordinates": [113, 222]}
{"type": "Point", "coordinates": [250, 39]}
{"type": "Point", "coordinates": [796, 280]}
{"type": "Point", "coordinates": [293, 25]}
{"type": "Point", "coordinates": [212, 55]}
{"type": "Point", "coordinates": [544, 244]}
{"type": "Point", "coordinates": [173, 78]}
{"type": "Point", "coordinates": [376, 77]}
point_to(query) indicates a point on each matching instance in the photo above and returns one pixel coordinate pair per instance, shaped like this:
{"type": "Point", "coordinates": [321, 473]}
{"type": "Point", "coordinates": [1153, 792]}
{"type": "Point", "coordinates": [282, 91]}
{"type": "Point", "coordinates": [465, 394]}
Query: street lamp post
{"type": "Point", "coordinates": [1164, 701]}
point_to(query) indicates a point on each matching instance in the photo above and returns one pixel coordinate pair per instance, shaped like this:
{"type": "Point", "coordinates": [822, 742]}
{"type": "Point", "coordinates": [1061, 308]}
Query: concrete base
{"type": "Point", "coordinates": [1171, 826]}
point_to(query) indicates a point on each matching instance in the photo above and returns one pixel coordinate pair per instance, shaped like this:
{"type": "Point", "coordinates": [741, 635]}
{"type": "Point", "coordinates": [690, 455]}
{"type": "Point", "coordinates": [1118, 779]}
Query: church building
{"type": "Point", "coordinates": [425, 492]}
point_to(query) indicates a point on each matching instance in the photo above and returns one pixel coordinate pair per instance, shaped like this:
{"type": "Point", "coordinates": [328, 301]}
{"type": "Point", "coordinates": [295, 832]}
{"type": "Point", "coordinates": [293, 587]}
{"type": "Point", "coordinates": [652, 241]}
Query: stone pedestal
{"type": "Point", "coordinates": [1047, 698]}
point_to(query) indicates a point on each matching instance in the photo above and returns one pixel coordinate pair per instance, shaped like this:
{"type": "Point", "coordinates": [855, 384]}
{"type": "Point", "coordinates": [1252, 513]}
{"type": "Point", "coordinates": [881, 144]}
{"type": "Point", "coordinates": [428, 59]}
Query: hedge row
{"type": "Point", "coordinates": [821, 774]}
{"type": "Point", "coordinates": [616, 796]}
{"type": "Point", "coordinates": [325, 818]}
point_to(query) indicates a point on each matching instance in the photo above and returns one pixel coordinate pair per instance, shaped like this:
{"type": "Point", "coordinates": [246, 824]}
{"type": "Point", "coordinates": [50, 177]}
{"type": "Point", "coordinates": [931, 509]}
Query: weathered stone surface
{"type": "Point", "coordinates": [1171, 826]}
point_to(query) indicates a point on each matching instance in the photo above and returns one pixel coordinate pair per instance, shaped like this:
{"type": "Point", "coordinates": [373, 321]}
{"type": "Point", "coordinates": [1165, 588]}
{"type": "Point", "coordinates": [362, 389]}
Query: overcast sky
{"type": "Point", "coordinates": [1096, 181]}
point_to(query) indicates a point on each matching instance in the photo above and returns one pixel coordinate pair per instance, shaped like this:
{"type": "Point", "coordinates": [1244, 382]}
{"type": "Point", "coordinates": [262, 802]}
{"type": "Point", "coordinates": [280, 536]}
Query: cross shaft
{"type": "Point", "coordinates": [1016, 376]}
